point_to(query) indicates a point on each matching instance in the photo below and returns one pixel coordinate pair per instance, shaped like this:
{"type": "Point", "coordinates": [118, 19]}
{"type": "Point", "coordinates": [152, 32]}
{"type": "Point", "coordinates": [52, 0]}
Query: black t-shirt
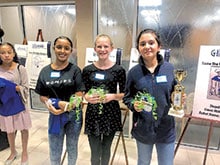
{"type": "Point", "coordinates": [59, 83]}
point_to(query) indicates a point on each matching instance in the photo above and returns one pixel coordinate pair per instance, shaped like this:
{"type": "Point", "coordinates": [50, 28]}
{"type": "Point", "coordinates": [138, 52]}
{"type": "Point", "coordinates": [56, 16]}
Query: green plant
{"type": "Point", "coordinates": [77, 100]}
{"type": "Point", "coordinates": [145, 98]}
{"type": "Point", "coordinates": [100, 92]}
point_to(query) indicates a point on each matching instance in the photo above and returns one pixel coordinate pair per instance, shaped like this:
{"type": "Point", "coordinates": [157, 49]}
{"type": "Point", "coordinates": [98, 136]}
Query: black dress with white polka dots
{"type": "Point", "coordinates": [110, 119]}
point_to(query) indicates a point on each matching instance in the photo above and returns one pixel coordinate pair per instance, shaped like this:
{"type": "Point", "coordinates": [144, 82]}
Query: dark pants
{"type": "Point", "coordinates": [100, 148]}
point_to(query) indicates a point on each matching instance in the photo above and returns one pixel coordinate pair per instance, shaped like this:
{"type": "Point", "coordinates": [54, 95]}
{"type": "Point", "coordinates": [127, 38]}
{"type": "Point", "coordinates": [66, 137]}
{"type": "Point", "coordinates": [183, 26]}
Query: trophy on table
{"type": "Point", "coordinates": [176, 97]}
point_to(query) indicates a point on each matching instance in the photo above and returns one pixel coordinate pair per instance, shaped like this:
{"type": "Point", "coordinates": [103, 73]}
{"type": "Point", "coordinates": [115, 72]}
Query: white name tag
{"type": "Point", "coordinates": [55, 74]}
{"type": "Point", "coordinates": [161, 79]}
{"type": "Point", "coordinates": [99, 76]}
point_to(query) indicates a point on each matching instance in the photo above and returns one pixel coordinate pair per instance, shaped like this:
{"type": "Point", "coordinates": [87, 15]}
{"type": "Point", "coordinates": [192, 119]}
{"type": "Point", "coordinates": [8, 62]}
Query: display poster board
{"type": "Point", "coordinates": [38, 56]}
{"type": "Point", "coordinates": [91, 56]}
{"type": "Point", "coordinates": [206, 103]}
{"type": "Point", "coordinates": [22, 52]}
{"type": "Point", "coordinates": [135, 56]}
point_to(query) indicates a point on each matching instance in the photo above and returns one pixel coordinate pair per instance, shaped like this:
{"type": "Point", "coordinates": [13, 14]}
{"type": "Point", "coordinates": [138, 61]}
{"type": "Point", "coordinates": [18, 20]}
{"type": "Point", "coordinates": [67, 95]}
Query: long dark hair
{"type": "Point", "coordinates": [15, 59]}
{"type": "Point", "coordinates": [157, 36]}
{"type": "Point", "coordinates": [63, 37]}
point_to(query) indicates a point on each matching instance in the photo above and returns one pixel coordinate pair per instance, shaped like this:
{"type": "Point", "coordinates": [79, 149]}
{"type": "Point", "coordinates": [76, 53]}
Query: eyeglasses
{"type": "Point", "coordinates": [9, 53]}
{"type": "Point", "coordinates": [60, 47]}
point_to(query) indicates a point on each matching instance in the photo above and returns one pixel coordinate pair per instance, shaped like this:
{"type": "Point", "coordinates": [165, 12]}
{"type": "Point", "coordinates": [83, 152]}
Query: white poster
{"type": "Point", "coordinates": [91, 56]}
{"type": "Point", "coordinates": [37, 58]}
{"type": "Point", "coordinates": [207, 91]}
{"type": "Point", "coordinates": [22, 51]}
{"type": "Point", "coordinates": [135, 56]}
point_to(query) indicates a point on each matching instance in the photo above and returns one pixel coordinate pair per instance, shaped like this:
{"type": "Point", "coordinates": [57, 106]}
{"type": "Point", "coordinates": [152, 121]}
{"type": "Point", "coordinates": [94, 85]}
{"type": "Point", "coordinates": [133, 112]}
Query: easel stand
{"type": "Point", "coordinates": [209, 134]}
{"type": "Point", "coordinates": [40, 35]}
{"type": "Point", "coordinates": [121, 135]}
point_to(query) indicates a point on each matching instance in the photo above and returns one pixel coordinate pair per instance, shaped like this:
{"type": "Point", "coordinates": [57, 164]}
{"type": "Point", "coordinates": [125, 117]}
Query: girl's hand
{"type": "Point", "coordinates": [113, 96]}
{"type": "Point", "coordinates": [53, 110]}
{"type": "Point", "coordinates": [17, 88]}
{"type": "Point", "coordinates": [108, 97]}
{"type": "Point", "coordinates": [137, 105]}
{"type": "Point", "coordinates": [92, 99]}
{"type": "Point", "coordinates": [63, 106]}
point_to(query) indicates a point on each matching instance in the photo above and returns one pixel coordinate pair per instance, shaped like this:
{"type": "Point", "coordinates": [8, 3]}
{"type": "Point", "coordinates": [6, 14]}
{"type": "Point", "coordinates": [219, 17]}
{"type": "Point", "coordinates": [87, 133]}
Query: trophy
{"type": "Point", "coordinates": [176, 97]}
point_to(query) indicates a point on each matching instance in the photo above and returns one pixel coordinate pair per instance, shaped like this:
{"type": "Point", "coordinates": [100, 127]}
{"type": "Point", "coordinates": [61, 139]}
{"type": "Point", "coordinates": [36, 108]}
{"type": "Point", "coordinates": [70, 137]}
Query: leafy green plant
{"type": "Point", "coordinates": [100, 92]}
{"type": "Point", "coordinates": [77, 100]}
{"type": "Point", "coordinates": [144, 98]}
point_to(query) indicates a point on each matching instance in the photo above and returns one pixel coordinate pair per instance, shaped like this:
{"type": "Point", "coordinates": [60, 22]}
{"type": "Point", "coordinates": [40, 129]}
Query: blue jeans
{"type": "Point", "coordinates": [72, 130]}
{"type": "Point", "coordinates": [165, 153]}
{"type": "Point", "coordinates": [100, 148]}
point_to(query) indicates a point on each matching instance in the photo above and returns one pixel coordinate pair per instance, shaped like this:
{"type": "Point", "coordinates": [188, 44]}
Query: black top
{"type": "Point", "coordinates": [59, 83]}
{"type": "Point", "coordinates": [110, 119]}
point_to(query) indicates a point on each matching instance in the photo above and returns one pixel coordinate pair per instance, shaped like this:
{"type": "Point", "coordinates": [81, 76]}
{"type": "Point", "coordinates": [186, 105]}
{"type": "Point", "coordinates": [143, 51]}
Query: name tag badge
{"type": "Point", "coordinates": [55, 74]}
{"type": "Point", "coordinates": [99, 76]}
{"type": "Point", "coordinates": [161, 79]}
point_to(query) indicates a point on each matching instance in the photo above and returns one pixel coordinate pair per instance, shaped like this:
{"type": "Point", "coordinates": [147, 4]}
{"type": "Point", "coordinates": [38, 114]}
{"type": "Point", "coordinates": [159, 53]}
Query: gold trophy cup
{"type": "Point", "coordinates": [176, 97]}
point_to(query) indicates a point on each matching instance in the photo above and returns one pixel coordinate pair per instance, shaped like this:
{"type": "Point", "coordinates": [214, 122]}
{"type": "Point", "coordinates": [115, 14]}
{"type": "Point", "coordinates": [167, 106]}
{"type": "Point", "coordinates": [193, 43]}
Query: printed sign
{"type": "Point", "coordinates": [22, 51]}
{"type": "Point", "coordinates": [37, 58]}
{"type": "Point", "coordinates": [207, 91]}
{"type": "Point", "coordinates": [91, 56]}
{"type": "Point", "coordinates": [135, 56]}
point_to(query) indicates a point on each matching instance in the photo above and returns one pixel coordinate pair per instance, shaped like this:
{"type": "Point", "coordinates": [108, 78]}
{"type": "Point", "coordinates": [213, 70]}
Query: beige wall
{"type": "Point", "coordinates": [84, 28]}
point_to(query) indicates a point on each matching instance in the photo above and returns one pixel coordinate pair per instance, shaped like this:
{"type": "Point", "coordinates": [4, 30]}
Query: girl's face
{"type": "Point", "coordinates": [148, 46]}
{"type": "Point", "coordinates": [6, 54]}
{"type": "Point", "coordinates": [103, 47]}
{"type": "Point", "coordinates": [62, 49]}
